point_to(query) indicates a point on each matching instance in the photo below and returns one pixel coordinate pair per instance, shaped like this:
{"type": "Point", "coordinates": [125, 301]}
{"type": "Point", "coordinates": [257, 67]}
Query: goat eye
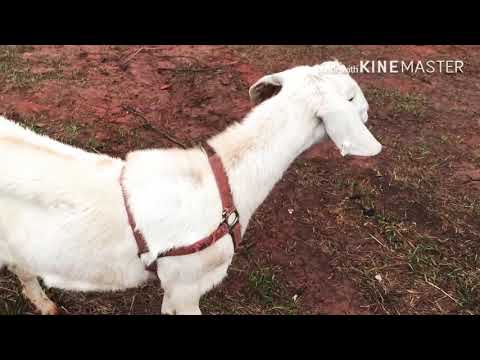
{"type": "Point", "coordinates": [351, 99]}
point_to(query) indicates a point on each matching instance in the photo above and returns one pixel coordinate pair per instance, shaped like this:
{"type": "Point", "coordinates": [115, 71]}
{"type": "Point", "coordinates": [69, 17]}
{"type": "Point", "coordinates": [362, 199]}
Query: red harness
{"type": "Point", "coordinates": [230, 219]}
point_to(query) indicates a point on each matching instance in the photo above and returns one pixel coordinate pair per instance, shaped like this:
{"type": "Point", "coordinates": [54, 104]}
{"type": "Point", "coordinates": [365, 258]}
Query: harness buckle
{"type": "Point", "coordinates": [227, 218]}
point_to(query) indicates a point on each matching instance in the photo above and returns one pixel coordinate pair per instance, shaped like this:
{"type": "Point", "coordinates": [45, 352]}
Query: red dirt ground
{"type": "Point", "coordinates": [309, 248]}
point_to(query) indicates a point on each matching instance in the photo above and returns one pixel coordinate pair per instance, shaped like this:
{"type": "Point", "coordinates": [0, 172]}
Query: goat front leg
{"type": "Point", "coordinates": [34, 292]}
{"type": "Point", "coordinates": [181, 300]}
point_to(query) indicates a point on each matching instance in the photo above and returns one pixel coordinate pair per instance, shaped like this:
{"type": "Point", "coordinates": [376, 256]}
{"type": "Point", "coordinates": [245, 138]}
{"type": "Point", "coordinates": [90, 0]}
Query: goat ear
{"type": "Point", "coordinates": [344, 126]}
{"type": "Point", "coordinates": [265, 88]}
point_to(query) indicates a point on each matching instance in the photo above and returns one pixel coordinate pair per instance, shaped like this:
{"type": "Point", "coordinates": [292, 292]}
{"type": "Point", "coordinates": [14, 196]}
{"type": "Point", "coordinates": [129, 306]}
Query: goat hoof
{"type": "Point", "coordinates": [168, 313]}
{"type": "Point", "coordinates": [50, 309]}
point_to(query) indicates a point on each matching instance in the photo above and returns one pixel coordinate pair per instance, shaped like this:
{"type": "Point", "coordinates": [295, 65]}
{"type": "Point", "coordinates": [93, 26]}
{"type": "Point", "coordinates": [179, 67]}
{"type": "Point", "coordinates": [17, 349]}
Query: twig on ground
{"type": "Point", "coordinates": [9, 290]}
{"type": "Point", "coordinates": [470, 178]}
{"type": "Point", "coordinates": [189, 69]}
{"type": "Point", "coordinates": [443, 291]}
{"type": "Point", "coordinates": [387, 266]}
{"type": "Point", "coordinates": [130, 57]}
{"type": "Point", "coordinates": [149, 126]}
{"type": "Point", "coordinates": [131, 305]}
{"type": "Point", "coordinates": [378, 241]}
{"type": "Point", "coordinates": [180, 56]}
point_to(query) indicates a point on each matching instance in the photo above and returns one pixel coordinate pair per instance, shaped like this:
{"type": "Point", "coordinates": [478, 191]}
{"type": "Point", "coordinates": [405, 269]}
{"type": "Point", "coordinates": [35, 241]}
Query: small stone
{"type": "Point", "coordinates": [369, 212]}
{"type": "Point", "coordinates": [378, 277]}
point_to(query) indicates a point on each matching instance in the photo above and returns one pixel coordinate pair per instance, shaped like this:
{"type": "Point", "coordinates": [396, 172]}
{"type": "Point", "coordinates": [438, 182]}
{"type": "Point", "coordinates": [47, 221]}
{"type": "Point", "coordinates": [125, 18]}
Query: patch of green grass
{"type": "Point", "coordinates": [80, 77]}
{"type": "Point", "coordinates": [377, 290]}
{"type": "Point", "coordinates": [391, 229]}
{"type": "Point", "coordinates": [476, 156]}
{"type": "Point", "coordinates": [16, 72]}
{"type": "Point", "coordinates": [450, 266]}
{"type": "Point", "coordinates": [423, 235]}
{"type": "Point", "coordinates": [14, 305]}
{"type": "Point", "coordinates": [9, 59]}
{"type": "Point", "coordinates": [473, 205]}
{"type": "Point", "coordinates": [468, 290]}
{"type": "Point", "coordinates": [20, 48]}
{"type": "Point", "coordinates": [424, 258]}
{"type": "Point", "coordinates": [12, 301]}
{"type": "Point", "coordinates": [413, 104]}
{"type": "Point", "coordinates": [121, 132]}
{"type": "Point", "coordinates": [269, 291]}
{"type": "Point", "coordinates": [31, 124]}
{"type": "Point", "coordinates": [93, 145]}
{"type": "Point", "coordinates": [444, 139]}
{"type": "Point", "coordinates": [264, 283]}
{"type": "Point", "coordinates": [424, 150]}
{"type": "Point", "coordinates": [70, 133]}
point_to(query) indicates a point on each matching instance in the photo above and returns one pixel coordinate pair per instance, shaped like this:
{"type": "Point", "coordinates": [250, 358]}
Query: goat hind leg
{"type": "Point", "coordinates": [34, 292]}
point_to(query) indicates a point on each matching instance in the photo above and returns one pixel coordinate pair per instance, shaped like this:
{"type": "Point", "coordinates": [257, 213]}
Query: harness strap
{"type": "Point", "coordinates": [230, 218]}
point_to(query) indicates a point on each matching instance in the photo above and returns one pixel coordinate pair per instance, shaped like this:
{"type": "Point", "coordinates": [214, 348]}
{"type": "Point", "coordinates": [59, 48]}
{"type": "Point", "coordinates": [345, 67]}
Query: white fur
{"type": "Point", "coordinates": [62, 216]}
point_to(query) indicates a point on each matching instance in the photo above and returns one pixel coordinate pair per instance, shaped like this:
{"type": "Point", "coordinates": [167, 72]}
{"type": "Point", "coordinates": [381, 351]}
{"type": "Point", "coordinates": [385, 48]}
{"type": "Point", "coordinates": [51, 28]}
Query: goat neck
{"type": "Point", "coordinates": [257, 151]}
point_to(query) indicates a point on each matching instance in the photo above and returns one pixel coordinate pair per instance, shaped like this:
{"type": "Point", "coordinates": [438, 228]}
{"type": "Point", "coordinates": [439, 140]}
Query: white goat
{"type": "Point", "coordinates": [62, 216]}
